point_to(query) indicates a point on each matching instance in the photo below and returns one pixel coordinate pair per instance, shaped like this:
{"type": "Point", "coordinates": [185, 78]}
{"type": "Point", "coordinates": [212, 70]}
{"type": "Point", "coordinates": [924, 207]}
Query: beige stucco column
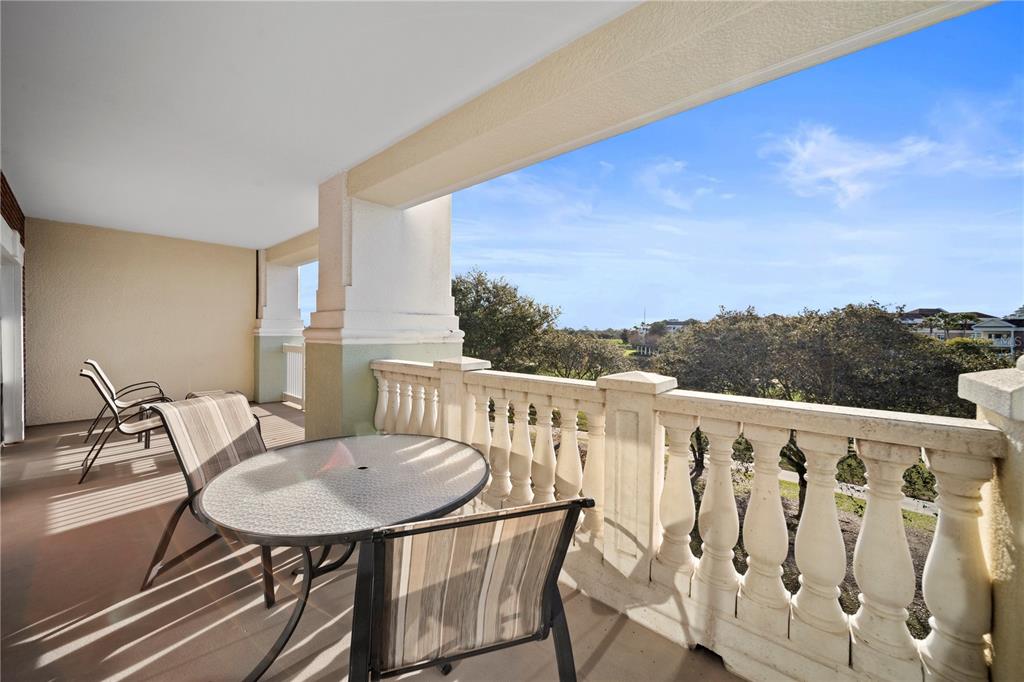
{"type": "Point", "coordinates": [384, 291]}
{"type": "Point", "coordinates": [999, 395]}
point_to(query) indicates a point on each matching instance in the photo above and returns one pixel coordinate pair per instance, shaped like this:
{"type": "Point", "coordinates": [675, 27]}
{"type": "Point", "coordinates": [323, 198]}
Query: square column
{"type": "Point", "coordinates": [634, 471]}
{"type": "Point", "coordinates": [999, 395]}
{"type": "Point", "coordinates": [278, 321]}
{"type": "Point", "coordinates": [384, 291]}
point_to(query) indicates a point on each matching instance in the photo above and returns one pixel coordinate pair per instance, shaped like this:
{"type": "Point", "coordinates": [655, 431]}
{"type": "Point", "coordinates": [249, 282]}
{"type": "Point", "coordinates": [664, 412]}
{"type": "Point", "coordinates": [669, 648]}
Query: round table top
{"type": "Point", "coordinates": [339, 490]}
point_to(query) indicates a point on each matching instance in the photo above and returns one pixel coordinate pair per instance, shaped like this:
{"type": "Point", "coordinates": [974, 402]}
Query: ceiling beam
{"type": "Point", "coordinates": [654, 61]}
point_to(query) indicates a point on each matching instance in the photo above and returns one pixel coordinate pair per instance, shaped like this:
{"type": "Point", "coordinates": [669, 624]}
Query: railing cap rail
{"type": "Point", "coordinates": [577, 389]}
{"type": "Point", "coordinates": [408, 367]}
{"type": "Point", "coordinates": [966, 436]}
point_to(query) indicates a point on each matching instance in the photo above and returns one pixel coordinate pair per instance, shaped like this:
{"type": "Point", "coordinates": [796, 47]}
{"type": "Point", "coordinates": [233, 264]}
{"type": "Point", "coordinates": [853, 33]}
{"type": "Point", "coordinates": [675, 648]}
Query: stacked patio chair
{"type": "Point", "coordinates": [130, 417]}
{"type": "Point", "coordinates": [126, 397]}
{"type": "Point", "coordinates": [495, 586]}
{"type": "Point", "coordinates": [208, 434]}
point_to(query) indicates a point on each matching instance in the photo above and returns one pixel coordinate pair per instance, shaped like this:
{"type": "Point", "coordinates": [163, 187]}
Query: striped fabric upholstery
{"type": "Point", "coordinates": [458, 589]}
{"type": "Point", "coordinates": [211, 433]}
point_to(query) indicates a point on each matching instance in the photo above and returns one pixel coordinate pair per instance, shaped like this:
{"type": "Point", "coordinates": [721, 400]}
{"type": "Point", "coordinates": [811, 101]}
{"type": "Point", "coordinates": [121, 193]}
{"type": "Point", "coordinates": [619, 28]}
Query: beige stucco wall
{"type": "Point", "coordinates": [174, 310]}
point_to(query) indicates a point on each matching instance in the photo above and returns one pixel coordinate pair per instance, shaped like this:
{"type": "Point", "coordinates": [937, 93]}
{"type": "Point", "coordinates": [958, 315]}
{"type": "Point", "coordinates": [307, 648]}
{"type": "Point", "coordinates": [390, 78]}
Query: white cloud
{"type": "Point", "coordinates": [966, 134]}
{"type": "Point", "coordinates": [669, 181]}
{"type": "Point", "coordinates": [606, 168]}
{"type": "Point", "coordinates": [816, 160]}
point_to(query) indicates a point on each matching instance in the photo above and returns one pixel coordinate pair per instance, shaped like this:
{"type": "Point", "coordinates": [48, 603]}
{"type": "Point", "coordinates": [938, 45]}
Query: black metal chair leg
{"type": "Point", "coordinates": [293, 621]}
{"type": "Point", "coordinates": [99, 449]}
{"type": "Point", "coordinates": [268, 575]}
{"type": "Point", "coordinates": [103, 432]}
{"type": "Point", "coordinates": [161, 548]}
{"type": "Point", "coordinates": [88, 434]}
{"type": "Point", "coordinates": [563, 643]}
{"type": "Point", "coordinates": [359, 648]}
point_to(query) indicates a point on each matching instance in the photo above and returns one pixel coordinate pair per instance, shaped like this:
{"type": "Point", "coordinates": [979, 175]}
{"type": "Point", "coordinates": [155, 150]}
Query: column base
{"type": "Point", "coordinates": [341, 391]}
{"type": "Point", "coordinates": [269, 365]}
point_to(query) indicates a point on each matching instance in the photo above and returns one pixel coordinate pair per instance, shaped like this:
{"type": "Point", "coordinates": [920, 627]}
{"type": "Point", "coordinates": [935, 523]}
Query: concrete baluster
{"type": "Point", "coordinates": [569, 467]}
{"type": "Point", "coordinates": [675, 563]}
{"type": "Point", "coordinates": [380, 413]}
{"type": "Point", "coordinates": [501, 446]}
{"type": "Point", "coordinates": [481, 422]}
{"type": "Point", "coordinates": [956, 583]}
{"type": "Point", "coordinates": [817, 622]}
{"type": "Point", "coordinates": [429, 425]}
{"type": "Point", "coordinates": [416, 418]}
{"type": "Point", "coordinates": [715, 581]}
{"type": "Point", "coordinates": [881, 644]}
{"type": "Point", "coordinates": [521, 457]}
{"type": "Point", "coordinates": [405, 408]}
{"type": "Point", "coordinates": [763, 600]}
{"type": "Point", "coordinates": [543, 469]}
{"type": "Point", "coordinates": [394, 400]}
{"type": "Point", "coordinates": [593, 472]}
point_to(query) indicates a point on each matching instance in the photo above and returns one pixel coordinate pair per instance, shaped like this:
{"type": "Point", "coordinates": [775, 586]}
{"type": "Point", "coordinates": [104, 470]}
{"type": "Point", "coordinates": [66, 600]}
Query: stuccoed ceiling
{"type": "Point", "coordinates": [216, 121]}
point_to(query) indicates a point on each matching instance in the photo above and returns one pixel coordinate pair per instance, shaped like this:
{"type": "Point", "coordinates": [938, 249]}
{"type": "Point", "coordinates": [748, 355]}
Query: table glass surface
{"type": "Point", "coordinates": [340, 486]}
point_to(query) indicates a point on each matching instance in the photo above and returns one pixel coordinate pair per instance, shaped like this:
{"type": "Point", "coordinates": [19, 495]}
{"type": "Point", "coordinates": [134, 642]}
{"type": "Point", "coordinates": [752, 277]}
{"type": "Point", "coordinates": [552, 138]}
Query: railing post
{"type": "Point", "coordinates": [999, 395]}
{"type": "Point", "coordinates": [453, 396]}
{"type": "Point", "coordinates": [634, 469]}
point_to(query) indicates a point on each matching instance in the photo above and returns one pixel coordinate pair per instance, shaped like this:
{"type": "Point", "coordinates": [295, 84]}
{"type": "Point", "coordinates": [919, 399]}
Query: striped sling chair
{"type": "Point", "coordinates": [433, 592]}
{"type": "Point", "coordinates": [208, 434]}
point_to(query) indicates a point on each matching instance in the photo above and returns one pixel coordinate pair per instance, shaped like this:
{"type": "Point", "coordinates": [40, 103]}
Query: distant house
{"type": "Point", "coordinates": [674, 325]}
{"type": "Point", "coordinates": [918, 315]}
{"type": "Point", "coordinates": [1006, 334]}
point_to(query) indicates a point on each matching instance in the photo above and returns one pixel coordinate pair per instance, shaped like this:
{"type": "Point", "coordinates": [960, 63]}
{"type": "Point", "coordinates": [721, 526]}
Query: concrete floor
{"type": "Point", "coordinates": [73, 557]}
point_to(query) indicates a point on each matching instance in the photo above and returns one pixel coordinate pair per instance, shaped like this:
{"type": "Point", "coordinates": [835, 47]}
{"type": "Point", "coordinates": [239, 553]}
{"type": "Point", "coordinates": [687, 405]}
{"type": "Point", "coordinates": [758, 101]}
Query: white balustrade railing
{"type": "Point", "coordinates": [294, 372]}
{"type": "Point", "coordinates": [634, 546]}
{"type": "Point", "coordinates": [406, 397]}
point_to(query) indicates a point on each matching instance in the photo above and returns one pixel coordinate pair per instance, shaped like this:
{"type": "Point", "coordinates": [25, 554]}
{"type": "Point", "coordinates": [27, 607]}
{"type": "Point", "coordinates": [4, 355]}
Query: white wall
{"type": "Point", "coordinates": [12, 370]}
{"type": "Point", "coordinates": [177, 311]}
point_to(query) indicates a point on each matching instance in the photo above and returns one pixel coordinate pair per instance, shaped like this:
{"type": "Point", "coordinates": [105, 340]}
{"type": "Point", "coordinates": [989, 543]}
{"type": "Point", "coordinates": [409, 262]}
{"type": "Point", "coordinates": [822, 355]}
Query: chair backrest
{"type": "Point", "coordinates": [455, 586]}
{"type": "Point", "coordinates": [210, 434]}
{"type": "Point", "coordinates": [101, 388]}
{"type": "Point", "coordinates": [102, 376]}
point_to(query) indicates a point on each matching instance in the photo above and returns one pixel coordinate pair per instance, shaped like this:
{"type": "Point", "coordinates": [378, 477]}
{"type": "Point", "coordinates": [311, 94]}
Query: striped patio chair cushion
{"type": "Point", "coordinates": [459, 589]}
{"type": "Point", "coordinates": [211, 433]}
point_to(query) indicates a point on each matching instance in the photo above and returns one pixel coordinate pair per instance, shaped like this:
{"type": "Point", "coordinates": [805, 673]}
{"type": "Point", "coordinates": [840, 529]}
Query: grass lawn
{"type": "Point", "coordinates": [853, 505]}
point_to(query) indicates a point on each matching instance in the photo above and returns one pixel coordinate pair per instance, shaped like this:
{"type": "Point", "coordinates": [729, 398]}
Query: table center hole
{"type": "Point", "coordinates": [362, 468]}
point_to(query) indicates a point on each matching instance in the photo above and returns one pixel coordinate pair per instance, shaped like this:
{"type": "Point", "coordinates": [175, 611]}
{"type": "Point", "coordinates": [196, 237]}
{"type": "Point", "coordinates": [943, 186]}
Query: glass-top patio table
{"type": "Point", "coordinates": [337, 491]}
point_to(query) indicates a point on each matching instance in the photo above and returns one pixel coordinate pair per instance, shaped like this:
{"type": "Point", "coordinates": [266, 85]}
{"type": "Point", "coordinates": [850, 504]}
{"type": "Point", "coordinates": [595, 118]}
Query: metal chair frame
{"type": "Point", "coordinates": [158, 565]}
{"type": "Point", "coordinates": [366, 659]}
{"type": "Point", "coordinates": [117, 422]}
{"type": "Point", "coordinates": [120, 393]}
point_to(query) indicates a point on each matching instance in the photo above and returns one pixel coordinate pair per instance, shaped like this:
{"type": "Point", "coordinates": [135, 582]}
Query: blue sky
{"type": "Point", "coordinates": [894, 174]}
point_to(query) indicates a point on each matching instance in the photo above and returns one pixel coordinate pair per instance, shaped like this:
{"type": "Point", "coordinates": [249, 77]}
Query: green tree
{"type": "Point", "coordinates": [963, 321]}
{"type": "Point", "coordinates": [657, 329]}
{"type": "Point", "coordinates": [737, 351]}
{"type": "Point", "coordinates": [581, 356]}
{"type": "Point", "coordinates": [500, 324]}
{"type": "Point", "coordinates": [857, 355]}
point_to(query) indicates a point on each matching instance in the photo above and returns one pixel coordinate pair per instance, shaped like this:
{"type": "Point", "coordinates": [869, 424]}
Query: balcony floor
{"type": "Point", "coordinates": [73, 557]}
